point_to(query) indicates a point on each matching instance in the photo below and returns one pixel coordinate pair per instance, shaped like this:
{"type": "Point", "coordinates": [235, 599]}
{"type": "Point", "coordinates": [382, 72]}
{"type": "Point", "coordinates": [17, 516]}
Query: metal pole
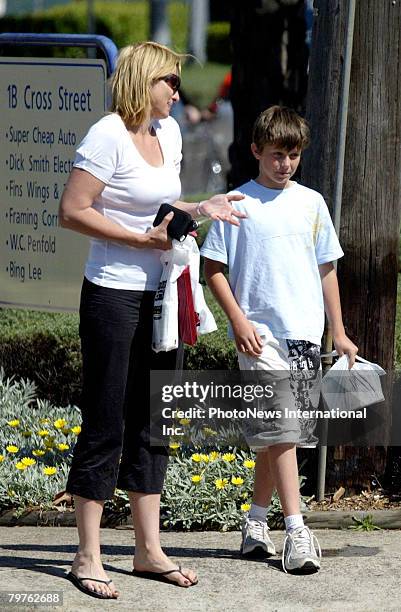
{"type": "Point", "coordinates": [159, 27]}
{"type": "Point", "coordinates": [199, 19]}
{"type": "Point", "coordinates": [337, 199]}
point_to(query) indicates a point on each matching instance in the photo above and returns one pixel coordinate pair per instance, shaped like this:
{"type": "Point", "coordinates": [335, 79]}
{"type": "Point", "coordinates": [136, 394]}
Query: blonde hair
{"type": "Point", "coordinates": [281, 126]}
{"type": "Point", "coordinates": [138, 66]}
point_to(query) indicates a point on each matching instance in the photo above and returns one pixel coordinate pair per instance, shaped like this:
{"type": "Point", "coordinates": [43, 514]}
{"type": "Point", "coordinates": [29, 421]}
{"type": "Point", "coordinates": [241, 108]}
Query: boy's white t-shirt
{"type": "Point", "coordinates": [133, 193]}
{"type": "Point", "coordinates": [273, 258]}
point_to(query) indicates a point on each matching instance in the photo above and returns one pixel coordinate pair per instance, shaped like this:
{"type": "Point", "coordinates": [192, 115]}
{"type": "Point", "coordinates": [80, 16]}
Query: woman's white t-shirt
{"type": "Point", "coordinates": [132, 195]}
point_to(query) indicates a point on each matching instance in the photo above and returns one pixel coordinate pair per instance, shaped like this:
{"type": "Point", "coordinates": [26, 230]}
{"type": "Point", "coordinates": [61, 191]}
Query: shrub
{"type": "Point", "coordinates": [36, 440]}
{"type": "Point", "coordinates": [45, 348]}
{"type": "Point", "coordinates": [218, 43]}
{"type": "Point", "coordinates": [123, 23]}
{"type": "Point", "coordinates": [204, 489]}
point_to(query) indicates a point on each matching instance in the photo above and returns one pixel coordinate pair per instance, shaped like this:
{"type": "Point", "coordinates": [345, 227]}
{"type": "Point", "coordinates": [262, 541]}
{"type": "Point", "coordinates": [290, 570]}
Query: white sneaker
{"type": "Point", "coordinates": [299, 552]}
{"type": "Point", "coordinates": [255, 539]}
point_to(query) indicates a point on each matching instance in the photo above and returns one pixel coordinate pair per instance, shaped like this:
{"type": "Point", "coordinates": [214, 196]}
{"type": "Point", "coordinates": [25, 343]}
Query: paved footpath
{"type": "Point", "coordinates": [360, 572]}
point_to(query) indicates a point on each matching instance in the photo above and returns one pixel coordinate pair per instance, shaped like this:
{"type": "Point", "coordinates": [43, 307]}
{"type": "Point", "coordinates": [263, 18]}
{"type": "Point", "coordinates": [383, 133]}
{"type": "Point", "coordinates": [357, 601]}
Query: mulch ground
{"type": "Point", "coordinates": [367, 500]}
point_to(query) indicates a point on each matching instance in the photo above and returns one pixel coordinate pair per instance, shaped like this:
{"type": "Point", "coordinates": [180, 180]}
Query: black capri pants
{"type": "Point", "coordinates": [116, 328]}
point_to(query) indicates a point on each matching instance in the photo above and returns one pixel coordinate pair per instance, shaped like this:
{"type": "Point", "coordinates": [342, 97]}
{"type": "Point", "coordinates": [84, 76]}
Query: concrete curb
{"type": "Point", "coordinates": [342, 519]}
{"type": "Point", "coordinates": [329, 519]}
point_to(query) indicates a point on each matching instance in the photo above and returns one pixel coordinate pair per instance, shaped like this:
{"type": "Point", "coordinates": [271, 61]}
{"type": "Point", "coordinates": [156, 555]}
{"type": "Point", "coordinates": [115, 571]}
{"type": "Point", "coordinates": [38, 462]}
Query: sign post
{"type": "Point", "coordinates": [47, 106]}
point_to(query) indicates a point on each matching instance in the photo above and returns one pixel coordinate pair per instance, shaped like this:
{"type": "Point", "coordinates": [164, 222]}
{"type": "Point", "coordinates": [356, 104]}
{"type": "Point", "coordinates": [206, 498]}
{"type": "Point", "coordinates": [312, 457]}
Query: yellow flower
{"type": "Point", "coordinates": [65, 430]}
{"type": "Point", "coordinates": [49, 471]}
{"type": "Point", "coordinates": [174, 445]}
{"type": "Point", "coordinates": [237, 480]}
{"type": "Point", "coordinates": [196, 457]}
{"type": "Point", "coordinates": [27, 433]}
{"type": "Point", "coordinates": [44, 421]}
{"type": "Point", "coordinates": [20, 466]}
{"type": "Point", "coordinates": [43, 432]}
{"type": "Point", "coordinates": [63, 447]}
{"type": "Point", "coordinates": [12, 449]}
{"type": "Point", "coordinates": [221, 483]}
{"type": "Point", "coordinates": [1, 458]}
{"type": "Point", "coordinates": [249, 463]}
{"type": "Point", "coordinates": [204, 458]}
{"type": "Point", "coordinates": [229, 457]}
{"type": "Point", "coordinates": [60, 423]}
{"type": "Point", "coordinates": [76, 430]}
{"type": "Point", "coordinates": [196, 478]}
{"type": "Point", "coordinates": [209, 432]}
{"type": "Point", "coordinates": [245, 507]}
{"type": "Point", "coordinates": [28, 461]}
{"type": "Point", "coordinates": [38, 453]}
{"type": "Point", "coordinates": [49, 443]}
{"type": "Point", "coordinates": [13, 423]}
{"type": "Point", "coordinates": [184, 421]}
{"type": "Point", "coordinates": [214, 455]}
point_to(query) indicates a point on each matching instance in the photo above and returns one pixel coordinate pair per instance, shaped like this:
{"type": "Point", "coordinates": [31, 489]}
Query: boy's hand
{"type": "Point", "coordinates": [344, 345]}
{"type": "Point", "coordinates": [246, 337]}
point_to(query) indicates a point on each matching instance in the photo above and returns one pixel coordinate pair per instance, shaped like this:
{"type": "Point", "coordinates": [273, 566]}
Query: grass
{"type": "Point", "coordinates": [365, 523]}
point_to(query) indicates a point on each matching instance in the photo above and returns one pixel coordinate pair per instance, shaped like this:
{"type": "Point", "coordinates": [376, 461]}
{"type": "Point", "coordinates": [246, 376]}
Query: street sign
{"type": "Point", "coordinates": [46, 106]}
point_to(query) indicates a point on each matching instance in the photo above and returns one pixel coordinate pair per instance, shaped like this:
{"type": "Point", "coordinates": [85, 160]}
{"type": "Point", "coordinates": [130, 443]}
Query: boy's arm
{"type": "Point", "coordinates": [246, 337]}
{"type": "Point", "coordinates": [332, 305]}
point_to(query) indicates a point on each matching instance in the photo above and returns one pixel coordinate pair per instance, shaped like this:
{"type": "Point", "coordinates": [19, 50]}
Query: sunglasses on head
{"type": "Point", "coordinates": [173, 81]}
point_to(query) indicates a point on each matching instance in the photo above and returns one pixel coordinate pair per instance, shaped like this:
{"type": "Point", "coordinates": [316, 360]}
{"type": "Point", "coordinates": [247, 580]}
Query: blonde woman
{"type": "Point", "coordinates": [125, 167]}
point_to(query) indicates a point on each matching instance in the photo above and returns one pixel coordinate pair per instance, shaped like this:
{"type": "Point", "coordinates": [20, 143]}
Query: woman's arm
{"type": "Point", "coordinates": [217, 208]}
{"type": "Point", "coordinates": [246, 337]}
{"type": "Point", "coordinates": [77, 213]}
{"type": "Point", "coordinates": [332, 305]}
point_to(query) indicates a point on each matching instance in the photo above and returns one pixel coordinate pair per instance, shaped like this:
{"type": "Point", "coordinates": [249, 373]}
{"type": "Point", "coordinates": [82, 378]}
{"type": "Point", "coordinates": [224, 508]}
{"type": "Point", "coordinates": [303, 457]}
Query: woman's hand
{"type": "Point", "coordinates": [219, 208]}
{"type": "Point", "coordinates": [157, 237]}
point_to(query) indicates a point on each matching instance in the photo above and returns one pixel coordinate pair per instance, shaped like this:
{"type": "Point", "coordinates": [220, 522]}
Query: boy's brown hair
{"type": "Point", "coordinates": [281, 126]}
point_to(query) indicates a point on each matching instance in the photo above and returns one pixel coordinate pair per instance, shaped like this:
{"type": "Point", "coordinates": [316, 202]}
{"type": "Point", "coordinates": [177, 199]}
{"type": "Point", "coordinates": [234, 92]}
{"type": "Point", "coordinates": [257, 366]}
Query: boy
{"type": "Point", "coordinates": [281, 279]}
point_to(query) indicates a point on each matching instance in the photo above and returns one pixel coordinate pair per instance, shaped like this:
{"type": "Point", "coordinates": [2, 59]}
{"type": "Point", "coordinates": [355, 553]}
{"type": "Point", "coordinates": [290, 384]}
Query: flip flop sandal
{"type": "Point", "coordinates": [78, 583]}
{"type": "Point", "coordinates": [162, 576]}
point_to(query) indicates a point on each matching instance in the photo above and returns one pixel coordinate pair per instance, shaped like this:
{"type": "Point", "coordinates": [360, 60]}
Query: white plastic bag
{"type": "Point", "coordinates": [353, 389]}
{"type": "Point", "coordinates": [207, 323]}
{"type": "Point", "coordinates": [165, 311]}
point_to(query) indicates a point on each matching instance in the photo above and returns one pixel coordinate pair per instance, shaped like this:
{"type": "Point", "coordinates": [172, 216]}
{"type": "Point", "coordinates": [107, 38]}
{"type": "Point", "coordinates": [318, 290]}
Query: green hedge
{"type": "Point", "coordinates": [42, 347]}
{"type": "Point", "coordinates": [123, 23]}
{"type": "Point", "coordinates": [45, 348]}
{"type": "Point", "coordinates": [218, 43]}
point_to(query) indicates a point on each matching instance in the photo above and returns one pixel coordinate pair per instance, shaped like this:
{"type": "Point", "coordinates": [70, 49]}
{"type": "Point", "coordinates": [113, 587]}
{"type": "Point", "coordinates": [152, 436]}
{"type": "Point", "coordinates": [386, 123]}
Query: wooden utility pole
{"type": "Point", "coordinates": [371, 205]}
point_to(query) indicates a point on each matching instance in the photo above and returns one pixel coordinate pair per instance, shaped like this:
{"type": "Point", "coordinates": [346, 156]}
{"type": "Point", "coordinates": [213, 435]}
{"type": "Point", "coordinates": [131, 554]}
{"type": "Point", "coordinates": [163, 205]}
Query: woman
{"type": "Point", "coordinates": [126, 166]}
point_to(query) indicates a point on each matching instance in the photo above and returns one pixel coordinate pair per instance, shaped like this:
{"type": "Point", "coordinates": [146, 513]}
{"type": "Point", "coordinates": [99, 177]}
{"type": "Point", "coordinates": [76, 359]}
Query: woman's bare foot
{"type": "Point", "coordinates": [146, 561]}
{"type": "Point", "coordinates": [86, 565]}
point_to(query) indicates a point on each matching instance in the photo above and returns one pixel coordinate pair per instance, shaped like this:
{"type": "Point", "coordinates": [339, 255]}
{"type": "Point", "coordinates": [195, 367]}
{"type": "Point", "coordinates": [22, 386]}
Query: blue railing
{"type": "Point", "coordinates": [106, 45]}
